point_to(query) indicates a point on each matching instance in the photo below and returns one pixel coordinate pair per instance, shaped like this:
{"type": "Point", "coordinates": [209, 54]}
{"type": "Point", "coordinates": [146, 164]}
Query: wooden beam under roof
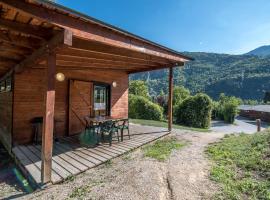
{"type": "Point", "coordinates": [89, 67]}
{"type": "Point", "coordinates": [95, 31]}
{"type": "Point", "coordinates": [151, 69]}
{"type": "Point", "coordinates": [101, 60]}
{"type": "Point", "coordinates": [27, 42]}
{"type": "Point", "coordinates": [92, 66]}
{"type": "Point", "coordinates": [61, 39]}
{"type": "Point", "coordinates": [99, 47]}
{"type": "Point", "coordinates": [100, 64]}
{"type": "Point", "coordinates": [76, 52]}
{"type": "Point", "coordinates": [28, 29]}
{"type": "Point", "coordinates": [13, 48]}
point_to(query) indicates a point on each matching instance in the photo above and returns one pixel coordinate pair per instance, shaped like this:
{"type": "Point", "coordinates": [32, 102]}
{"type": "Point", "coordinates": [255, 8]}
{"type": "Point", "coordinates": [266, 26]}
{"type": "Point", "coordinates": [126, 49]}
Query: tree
{"type": "Point", "coordinates": [179, 94]}
{"type": "Point", "coordinates": [266, 98]}
{"type": "Point", "coordinates": [139, 88]}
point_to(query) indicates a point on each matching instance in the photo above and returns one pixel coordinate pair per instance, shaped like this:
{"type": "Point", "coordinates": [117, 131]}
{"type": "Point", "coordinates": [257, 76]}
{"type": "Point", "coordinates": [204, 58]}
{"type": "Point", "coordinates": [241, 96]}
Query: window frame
{"type": "Point", "coordinates": [108, 99]}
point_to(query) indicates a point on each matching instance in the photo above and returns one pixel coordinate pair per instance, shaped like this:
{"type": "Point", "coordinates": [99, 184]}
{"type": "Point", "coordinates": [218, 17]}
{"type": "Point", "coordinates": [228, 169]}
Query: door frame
{"type": "Point", "coordinates": [95, 83]}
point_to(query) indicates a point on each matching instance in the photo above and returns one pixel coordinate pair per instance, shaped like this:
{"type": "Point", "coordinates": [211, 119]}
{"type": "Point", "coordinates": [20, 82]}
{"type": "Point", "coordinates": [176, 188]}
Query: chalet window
{"type": "Point", "coordinates": [5, 86]}
{"type": "Point", "coordinates": [2, 86]}
{"type": "Point", "coordinates": [8, 85]}
{"type": "Point", "coordinates": [101, 100]}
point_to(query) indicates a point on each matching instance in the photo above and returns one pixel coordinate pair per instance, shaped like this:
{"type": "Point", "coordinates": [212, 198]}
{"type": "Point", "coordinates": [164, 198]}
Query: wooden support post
{"type": "Point", "coordinates": [258, 122]}
{"type": "Point", "coordinates": [48, 121]}
{"type": "Point", "coordinates": [170, 99]}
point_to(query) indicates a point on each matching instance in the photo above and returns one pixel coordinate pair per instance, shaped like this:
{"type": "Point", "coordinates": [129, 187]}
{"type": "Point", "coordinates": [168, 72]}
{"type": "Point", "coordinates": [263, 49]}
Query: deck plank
{"type": "Point", "coordinates": [32, 169]}
{"type": "Point", "coordinates": [80, 154]}
{"type": "Point", "coordinates": [56, 168]}
{"type": "Point", "coordinates": [36, 159]}
{"type": "Point", "coordinates": [71, 158]}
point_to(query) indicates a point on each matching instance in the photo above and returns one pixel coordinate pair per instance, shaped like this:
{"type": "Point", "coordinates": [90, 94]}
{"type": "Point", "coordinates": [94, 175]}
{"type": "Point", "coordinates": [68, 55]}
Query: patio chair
{"type": "Point", "coordinates": [123, 124]}
{"type": "Point", "coordinates": [90, 136]}
{"type": "Point", "coordinates": [108, 129]}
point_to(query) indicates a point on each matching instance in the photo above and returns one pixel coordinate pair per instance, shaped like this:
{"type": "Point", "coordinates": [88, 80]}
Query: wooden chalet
{"type": "Point", "coordinates": [59, 64]}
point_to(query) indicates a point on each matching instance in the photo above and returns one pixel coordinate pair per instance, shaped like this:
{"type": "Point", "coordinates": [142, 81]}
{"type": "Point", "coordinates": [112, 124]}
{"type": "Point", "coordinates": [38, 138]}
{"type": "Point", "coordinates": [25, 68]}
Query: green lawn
{"type": "Point", "coordinates": [162, 149]}
{"type": "Point", "coordinates": [165, 124]}
{"type": "Point", "coordinates": [242, 166]}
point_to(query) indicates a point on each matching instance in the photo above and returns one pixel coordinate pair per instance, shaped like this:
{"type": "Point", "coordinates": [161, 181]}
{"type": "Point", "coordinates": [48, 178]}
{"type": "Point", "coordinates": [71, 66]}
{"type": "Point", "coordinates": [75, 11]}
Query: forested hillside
{"type": "Point", "coordinates": [245, 76]}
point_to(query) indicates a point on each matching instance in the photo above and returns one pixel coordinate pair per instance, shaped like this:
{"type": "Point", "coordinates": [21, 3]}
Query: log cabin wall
{"type": "Point", "coordinates": [6, 119]}
{"type": "Point", "coordinates": [29, 88]}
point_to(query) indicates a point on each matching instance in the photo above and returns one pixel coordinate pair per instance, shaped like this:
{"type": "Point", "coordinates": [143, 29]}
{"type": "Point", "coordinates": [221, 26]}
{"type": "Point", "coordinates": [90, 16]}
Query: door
{"type": "Point", "coordinates": [80, 105]}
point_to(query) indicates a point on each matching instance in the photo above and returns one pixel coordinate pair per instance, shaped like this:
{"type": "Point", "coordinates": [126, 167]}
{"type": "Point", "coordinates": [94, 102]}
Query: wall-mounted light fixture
{"type": "Point", "coordinates": [114, 84]}
{"type": "Point", "coordinates": [60, 77]}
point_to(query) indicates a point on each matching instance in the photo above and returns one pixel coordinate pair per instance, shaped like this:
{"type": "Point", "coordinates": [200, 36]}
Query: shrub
{"type": "Point", "coordinates": [215, 110]}
{"type": "Point", "coordinates": [228, 108]}
{"type": "Point", "coordinates": [229, 111]}
{"type": "Point", "coordinates": [142, 108]}
{"type": "Point", "coordinates": [195, 111]}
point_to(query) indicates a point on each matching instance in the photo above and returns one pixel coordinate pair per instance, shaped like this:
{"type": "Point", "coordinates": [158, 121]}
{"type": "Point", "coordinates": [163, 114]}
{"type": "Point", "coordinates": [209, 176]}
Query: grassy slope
{"type": "Point", "coordinates": [165, 125]}
{"type": "Point", "coordinates": [242, 166]}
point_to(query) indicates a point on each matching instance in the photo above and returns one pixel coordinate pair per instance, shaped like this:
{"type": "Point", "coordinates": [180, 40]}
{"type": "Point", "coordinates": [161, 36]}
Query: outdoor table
{"type": "Point", "coordinates": [101, 119]}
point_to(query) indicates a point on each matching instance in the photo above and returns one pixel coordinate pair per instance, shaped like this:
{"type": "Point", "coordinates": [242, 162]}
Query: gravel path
{"type": "Point", "coordinates": [188, 169]}
{"type": "Point", "coordinates": [132, 176]}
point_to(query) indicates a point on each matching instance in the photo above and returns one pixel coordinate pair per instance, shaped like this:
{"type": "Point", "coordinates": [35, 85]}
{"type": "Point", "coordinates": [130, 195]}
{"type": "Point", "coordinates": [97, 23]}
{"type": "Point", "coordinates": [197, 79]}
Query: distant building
{"type": "Point", "coordinates": [255, 112]}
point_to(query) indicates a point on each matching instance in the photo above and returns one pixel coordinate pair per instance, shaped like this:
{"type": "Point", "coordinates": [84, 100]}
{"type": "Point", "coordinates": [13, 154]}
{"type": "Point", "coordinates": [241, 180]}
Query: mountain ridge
{"type": "Point", "coordinates": [260, 51]}
{"type": "Point", "coordinates": [245, 76]}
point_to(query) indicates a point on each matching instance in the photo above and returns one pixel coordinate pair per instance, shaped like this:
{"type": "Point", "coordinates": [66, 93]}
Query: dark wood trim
{"type": "Point", "coordinates": [48, 121]}
{"type": "Point", "coordinates": [13, 94]}
{"type": "Point", "coordinates": [170, 99]}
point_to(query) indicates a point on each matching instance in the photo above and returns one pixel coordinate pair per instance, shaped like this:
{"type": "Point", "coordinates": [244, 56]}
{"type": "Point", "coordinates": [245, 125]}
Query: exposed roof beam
{"type": "Point", "coordinates": [107, 66]}
{"type": "Point", "coordinates": [151, 69]}
{"type": "Point", "coordinates": [71, 51]}
{"type": "Point", "coordinates": [34, 31]}
{"type": "Point", "coordinates": [93, 32]}
{"type": "Point", "coordinates": [11, 55]}
{"type": "Point", "coordinates": [21, 41]}
{"type": "Point", "coordinates": [89, 67]}
{"type": "Point", "coordinates": [13, 48]}
{"type": "Point", "coordinates": [99, 47]}
{"type": "Point", "coordinates": [93, 59]}
{"type": "Point", "coordinates": [61, 39]}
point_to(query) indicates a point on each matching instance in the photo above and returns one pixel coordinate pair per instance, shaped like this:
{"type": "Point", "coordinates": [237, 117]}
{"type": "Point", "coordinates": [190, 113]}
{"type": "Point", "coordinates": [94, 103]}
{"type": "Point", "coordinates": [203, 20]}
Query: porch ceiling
{"type": "Point", "coordinates": [28, 26]}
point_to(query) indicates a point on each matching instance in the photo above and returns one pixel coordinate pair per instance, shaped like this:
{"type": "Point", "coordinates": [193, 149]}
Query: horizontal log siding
{"type": "Point", "coordinates": [29, 98]}
{"type": "Point", "coordinates": [6, 119]}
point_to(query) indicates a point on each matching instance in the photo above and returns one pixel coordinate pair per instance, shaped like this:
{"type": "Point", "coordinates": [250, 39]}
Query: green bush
{"type": "Point", "coordinates": [194, 111]}
{"type": "Point", "coordinates": [228, 108]}
{"type": "Point", "coordinates": [142, 108]}
{"type": "Point", "coordinates": [215, 110]}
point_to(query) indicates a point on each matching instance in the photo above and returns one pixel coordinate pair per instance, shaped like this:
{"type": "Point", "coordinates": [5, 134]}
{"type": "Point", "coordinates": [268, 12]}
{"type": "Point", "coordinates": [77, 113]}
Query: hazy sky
{"type": "Point", "coordinates": [222, 26]}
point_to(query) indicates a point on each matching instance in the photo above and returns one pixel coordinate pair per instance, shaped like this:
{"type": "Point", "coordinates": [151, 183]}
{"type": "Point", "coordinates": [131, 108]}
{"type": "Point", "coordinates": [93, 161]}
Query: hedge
{"type": "Point", "coordinates": [194, 111]}
{"type": "Point", "coordinates": [142, 108]}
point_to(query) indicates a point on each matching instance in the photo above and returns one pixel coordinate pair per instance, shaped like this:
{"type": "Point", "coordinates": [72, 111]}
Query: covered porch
{"type": "Point", "coordinates": [70, 157]}
{"type": "Point", "coordinates": [53, 64]}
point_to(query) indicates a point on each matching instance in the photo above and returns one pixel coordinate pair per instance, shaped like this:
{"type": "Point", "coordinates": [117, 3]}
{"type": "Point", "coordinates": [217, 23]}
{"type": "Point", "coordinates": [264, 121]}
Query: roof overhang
{"type": "Point", "coordinates": [28, 26]}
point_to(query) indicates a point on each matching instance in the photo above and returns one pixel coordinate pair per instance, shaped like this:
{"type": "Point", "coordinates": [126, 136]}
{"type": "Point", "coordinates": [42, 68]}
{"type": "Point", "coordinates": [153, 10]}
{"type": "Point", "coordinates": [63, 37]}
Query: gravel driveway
{"type": "Point", "coordinates": [133, 176]}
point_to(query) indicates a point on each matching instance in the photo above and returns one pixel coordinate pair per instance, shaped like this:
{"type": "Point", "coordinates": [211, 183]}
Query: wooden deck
{"type": "Point", "coordinates": [71, 158]}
